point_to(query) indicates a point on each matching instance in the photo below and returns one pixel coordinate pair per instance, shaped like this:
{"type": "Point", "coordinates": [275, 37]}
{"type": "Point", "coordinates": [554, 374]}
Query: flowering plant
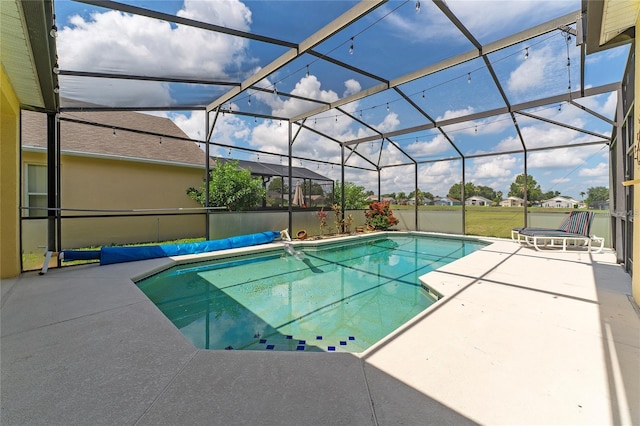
{"type": "Point", "coordinates": [380, 216]}
{"type": "Point", "coordinates": [348, 220]}
{"type": "Point", "coordinates": [337, 210]}
{"type": "Point", "coordinates": [322, 217]}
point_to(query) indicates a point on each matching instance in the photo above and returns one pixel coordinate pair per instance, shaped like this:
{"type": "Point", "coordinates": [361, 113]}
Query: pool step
{"type": "Point", "coordinates": [279, 342]}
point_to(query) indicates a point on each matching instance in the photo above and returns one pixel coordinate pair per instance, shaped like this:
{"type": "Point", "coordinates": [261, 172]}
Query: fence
{"type": "Point", "coordinates": [84, 232]}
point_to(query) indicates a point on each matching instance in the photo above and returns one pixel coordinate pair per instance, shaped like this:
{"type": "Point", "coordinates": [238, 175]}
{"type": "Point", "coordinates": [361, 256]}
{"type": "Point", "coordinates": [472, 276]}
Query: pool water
{"type": "Point", "coordinates": [337, 297]}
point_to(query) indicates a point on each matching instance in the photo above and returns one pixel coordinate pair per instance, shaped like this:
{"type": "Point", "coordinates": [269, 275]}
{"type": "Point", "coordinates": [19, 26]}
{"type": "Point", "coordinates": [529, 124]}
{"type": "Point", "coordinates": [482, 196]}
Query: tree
{"type": "Point", "coordinates": [355, 196]}
{"type": "Point", "coordinates": [582, 194]}
{"type": "Point", "coordinates": [401, 195]}
{"type": "Point", "coordinates": [456, 190]}
{"type": "Point", "coordinates": [278, 185]}
{"type": "Point", "coordinates": [597, 193]}
{"type": "Point", "coordinates": [316, 189]}
{"type": "Point", "coordinates": [230, 187]}
{"type": "Point", "coordinates": [485, 191]}
{"type": "Point", "coordinates": [549, 195]}
{"type": "Point", "coordinates": [534, 193]}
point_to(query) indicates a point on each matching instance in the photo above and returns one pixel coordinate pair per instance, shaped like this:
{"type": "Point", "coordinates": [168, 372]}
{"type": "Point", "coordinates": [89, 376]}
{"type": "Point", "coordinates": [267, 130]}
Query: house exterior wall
{"type": "Point", "coordinates": [112, 184]}
{"type": "Point", "coordinates": [477, 201]}
{"type": "Point", "coordinates": [635, 276]}
{"type": "Point", "coordinates": [512, 202]}
{"type": "Point", "coordinates": [560, 202]}
{"type": "Point", "coordinates": [9, 179]}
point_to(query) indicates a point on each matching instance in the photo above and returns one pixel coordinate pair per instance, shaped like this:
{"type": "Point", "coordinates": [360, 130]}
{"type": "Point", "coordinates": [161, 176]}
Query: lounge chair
{"type": "Point", "coordinates": [576, 222]}
{"type": "Point", "coordinates": [574, 231]}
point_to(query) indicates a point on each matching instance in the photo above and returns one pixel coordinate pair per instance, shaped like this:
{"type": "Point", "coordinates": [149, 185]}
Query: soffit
{"type": "Point", "coordinates": [28, 52]}
{"type": "Point", "coordinates": [617, 17]}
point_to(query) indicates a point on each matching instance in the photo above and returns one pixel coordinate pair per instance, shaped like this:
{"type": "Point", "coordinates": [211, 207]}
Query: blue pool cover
{"type": "Point", "coordinates": [109, 255]}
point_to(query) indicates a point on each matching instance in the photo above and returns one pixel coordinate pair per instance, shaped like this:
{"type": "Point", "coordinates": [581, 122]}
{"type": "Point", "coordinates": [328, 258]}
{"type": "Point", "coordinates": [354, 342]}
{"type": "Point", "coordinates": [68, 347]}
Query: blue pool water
{"type": "Point", "coordinates": [336, 297]}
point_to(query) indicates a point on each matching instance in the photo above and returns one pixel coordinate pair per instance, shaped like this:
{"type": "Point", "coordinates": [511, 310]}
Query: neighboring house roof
{"type": "Point", "coordinates": [268, 169]}
{"type": "Point", "coordinates": [92, 140]}
{"type": "Point", "coordinates": [480, 198]}
{"type": "Point", "coordinates": [560, 198]}
{"type": "Point", "coordinates": [446, 200]}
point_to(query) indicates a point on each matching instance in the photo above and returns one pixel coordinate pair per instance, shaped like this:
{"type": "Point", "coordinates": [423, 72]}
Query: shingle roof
{"type": "Point", "coordinates": [107, 141]}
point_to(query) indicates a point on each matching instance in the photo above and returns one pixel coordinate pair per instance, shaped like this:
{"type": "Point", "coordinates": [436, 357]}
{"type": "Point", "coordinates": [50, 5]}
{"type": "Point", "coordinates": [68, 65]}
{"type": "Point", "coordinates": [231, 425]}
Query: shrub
{"type": "Point", "coordinates": [379, 216]}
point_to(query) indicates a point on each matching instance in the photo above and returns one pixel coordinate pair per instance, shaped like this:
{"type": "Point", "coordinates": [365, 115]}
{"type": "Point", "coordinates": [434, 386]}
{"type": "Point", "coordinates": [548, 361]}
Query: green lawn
{"type": "Point", "coordinates": [489, 221]}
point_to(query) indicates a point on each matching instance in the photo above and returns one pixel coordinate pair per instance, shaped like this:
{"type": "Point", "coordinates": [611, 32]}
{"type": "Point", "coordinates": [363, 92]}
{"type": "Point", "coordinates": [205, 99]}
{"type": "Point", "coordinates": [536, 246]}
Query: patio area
{"type": "Point", "coordinates": [520, 337]}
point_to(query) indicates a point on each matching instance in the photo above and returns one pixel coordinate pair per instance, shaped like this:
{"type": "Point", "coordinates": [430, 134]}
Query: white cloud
{"type": "Point", "coordinates": [429, 16]}
{"type": "Point", "coordinates": [489, 126]}
{"type": "Point", "coordinates": [487, 18]}
{"type": "Point", "coordinates": [449, 114]}
{"type": "Point", "coordinates": [545, 135]}
{"type": "Point", "coordinates": [602, 169]}
{"type": "Point", "coordinates": [123, 92]}
{"type": "Point", "coordinates": [116, 42]}
{"type": "Point", "coordinates": [556, 158]}
{"type": "Point", "coordinates": [352, 86]}
{"type": "Point", "coordinates": [493, 167]}
{"type": "Point", "coordinates": [438, 177]}
{"type": "Point", "coordinates": [389, 123]}
{"type": "Point", "coordinates": [232, 13]}
{"type": "Point", "coordinates": [333, 124]}
{"type": "Point", "coordinates": [193, 124]}
{"type": "Point", "coordinates": [610, 105]}
{"type": "Point", "coordinates": [271, 136]}
{"type": "Point", "coordinates": [428, 148]}
{"type": "Point", "coordinates": [533, 72]}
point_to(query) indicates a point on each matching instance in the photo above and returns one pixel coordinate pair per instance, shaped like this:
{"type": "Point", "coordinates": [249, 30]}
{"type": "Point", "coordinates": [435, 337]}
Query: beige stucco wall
{"type": "Point", "coordinates": [113, 184]}
{"type": "Point", "coordinates": [9, 179]}
{"type": "Point", "coordinates": [635, 286]}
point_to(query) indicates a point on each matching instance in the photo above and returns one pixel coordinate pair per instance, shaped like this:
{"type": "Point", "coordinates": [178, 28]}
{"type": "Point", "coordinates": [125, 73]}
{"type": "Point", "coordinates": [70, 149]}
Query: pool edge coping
{"type": "Point", "coordinates": [172, 261]}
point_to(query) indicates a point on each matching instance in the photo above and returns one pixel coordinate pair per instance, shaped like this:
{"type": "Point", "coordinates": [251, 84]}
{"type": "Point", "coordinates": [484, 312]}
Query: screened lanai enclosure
{"type": "Point", "coordinates": [392, 96]}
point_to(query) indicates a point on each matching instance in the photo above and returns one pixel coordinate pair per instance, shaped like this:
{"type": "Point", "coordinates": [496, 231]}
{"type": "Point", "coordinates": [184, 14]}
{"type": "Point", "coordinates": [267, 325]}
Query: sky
{"type": "Point", "coordinates": [392, 41]}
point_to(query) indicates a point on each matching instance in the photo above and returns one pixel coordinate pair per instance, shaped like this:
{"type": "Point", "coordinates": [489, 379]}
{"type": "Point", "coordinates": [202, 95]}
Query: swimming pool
{"type": "Point", "coordinates": [332, 297]}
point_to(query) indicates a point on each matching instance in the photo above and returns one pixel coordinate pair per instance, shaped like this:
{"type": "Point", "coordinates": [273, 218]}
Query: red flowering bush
{"type": "Point", "coordinates": [380, 216]}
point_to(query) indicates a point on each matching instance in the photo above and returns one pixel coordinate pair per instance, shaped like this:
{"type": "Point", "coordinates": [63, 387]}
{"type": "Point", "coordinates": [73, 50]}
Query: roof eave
{"type": "Point", "coordinates": [593, 9]}
{"type": "Point", "coordinates": [38, 20]}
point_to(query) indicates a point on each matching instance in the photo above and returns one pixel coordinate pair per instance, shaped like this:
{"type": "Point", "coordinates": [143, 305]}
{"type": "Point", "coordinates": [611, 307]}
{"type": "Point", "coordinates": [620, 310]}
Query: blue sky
{"type": "Point", "coordinates": [391, 42]}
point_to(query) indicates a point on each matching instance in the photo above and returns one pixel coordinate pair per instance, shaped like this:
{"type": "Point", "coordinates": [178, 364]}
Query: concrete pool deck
{"type": "Point", "coordinates": [520, 337]}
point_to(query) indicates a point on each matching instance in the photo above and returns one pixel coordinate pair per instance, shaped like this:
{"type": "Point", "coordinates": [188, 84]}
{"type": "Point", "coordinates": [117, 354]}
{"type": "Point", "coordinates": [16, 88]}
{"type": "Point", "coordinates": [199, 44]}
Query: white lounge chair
{"type": "Point", "coordinates": [574, 231]}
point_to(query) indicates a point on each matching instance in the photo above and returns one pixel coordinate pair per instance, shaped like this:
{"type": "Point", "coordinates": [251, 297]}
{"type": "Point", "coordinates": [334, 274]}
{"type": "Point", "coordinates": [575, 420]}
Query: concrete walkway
{"type": "Point", "coordinates": [521, 337]}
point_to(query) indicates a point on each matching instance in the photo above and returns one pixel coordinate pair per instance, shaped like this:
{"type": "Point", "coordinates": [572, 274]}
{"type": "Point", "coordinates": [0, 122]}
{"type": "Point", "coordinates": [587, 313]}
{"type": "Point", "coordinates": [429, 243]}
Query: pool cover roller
{"type": "Point", "coordinates": [109, 255]}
